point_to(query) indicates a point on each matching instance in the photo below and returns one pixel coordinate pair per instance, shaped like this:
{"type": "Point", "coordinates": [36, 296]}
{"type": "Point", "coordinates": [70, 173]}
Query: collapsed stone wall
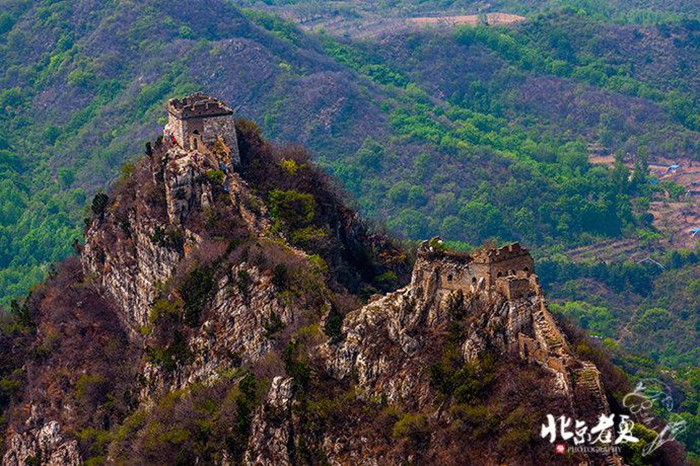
{"type": "Point", "coordinates": [514, 287]}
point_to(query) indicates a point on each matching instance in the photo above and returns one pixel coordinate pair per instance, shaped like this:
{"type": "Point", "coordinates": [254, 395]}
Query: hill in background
{"type": "Point", "coordinates": [451, 136]}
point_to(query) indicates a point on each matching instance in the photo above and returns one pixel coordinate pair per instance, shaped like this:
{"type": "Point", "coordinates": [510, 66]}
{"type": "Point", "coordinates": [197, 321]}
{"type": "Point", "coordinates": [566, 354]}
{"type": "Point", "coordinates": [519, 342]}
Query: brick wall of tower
{"type": "Point", "coordinates": [481, 271]}
{"type": "Point", "coordinates": [464, 276]}
{"type": "Point", "coordinates": [225, 127]}
{"type": "Point", "coordinates": [175, 126]}
{"type": "Point", "coordinates": [511, 266]}
{"type": "Point", "coordinates": [191, 133]}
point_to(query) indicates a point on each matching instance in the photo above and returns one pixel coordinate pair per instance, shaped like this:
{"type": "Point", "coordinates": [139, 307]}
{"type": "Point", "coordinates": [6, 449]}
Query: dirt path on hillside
{"type": "Point", "coordinates": [367, 25]}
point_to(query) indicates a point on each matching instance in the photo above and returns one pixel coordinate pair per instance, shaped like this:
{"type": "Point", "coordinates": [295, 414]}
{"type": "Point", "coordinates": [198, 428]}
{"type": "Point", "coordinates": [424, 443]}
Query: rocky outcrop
{"type": "Point", "coordinates": [251, 209]}
{"type": "Point", "coordinates": [381, 347]}
{"type": "Point", "coordinates": [186, 191]}
{"type": "Point", "coordinates": [130, 269]}
{"type": "Point", "coordinates": [131, 253]}
{"type": "Point", "coordinates": [235, 331]}
{"type": "Point", "coordinates": [405, 321]}
{"type": "Point", "coordinates": [385, 342]}
{"type": "Point", "coordinates": [46, 446]}
{"type": "Point", "coordinates": [272, 433]}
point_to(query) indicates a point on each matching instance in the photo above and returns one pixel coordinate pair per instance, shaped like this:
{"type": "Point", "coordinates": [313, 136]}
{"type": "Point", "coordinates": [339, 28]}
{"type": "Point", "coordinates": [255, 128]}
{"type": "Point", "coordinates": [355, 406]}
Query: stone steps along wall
{"type": "Point", "coordinates": [590, 402]}
{"type": "Point", "coordinates": [546, 330]}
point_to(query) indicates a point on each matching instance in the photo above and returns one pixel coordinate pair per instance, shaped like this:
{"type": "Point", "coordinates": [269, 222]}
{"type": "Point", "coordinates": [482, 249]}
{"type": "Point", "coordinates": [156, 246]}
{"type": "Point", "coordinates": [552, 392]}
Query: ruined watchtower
{"type": "Point", "coordinates": [196, 122]}
{"type": "Point", "coordinates": [488, 269]}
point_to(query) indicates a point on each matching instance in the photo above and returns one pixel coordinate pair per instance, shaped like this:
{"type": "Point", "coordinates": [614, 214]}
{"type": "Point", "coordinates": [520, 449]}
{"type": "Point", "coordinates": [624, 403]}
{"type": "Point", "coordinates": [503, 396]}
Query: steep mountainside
{"type": "Point", "coordinates": [469, 133]}
{"type": "Point", "coordinates": [214, 315]}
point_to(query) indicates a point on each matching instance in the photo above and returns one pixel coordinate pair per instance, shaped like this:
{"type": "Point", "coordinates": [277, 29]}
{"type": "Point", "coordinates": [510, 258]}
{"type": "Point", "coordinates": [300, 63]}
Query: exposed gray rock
{"type": "Point", "coordinates": [45, 445]}
{"type": "Point", "coordinates": [272, 428]}
{"type": "Point", "coordinates": [185, 189]}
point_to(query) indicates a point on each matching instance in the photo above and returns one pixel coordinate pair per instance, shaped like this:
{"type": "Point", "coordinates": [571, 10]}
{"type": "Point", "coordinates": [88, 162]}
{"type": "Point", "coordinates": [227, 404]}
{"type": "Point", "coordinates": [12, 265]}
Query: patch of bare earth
{"type": "Point", "coordinates": [495, 19]}
{"type": "Point", "coordinates": [367, 24]}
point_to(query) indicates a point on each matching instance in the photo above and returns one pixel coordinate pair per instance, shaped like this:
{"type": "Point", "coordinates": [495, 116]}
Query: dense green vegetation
{"type": "Point", "coordinates": [497, 159]}
{"type": "Point", "coordinates": [44, 190]}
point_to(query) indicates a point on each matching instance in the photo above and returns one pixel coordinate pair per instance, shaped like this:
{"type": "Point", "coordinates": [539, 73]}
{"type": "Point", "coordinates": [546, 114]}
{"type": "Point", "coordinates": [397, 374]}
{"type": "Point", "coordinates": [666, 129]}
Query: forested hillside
{"type": "Point", "coordinates": [645, 314]}
{"type": "Point", "coordinates": [83, 84]}
{"type": "Point", "coordinates": [472, 133]}
{"type": "Point", "coordinates": [499, 133]}
{"type": "Point", "coordinates": [366, 18]}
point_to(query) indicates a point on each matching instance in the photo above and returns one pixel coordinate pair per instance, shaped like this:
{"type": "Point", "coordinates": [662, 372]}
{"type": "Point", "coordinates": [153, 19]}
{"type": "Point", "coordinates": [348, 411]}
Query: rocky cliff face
{"type": "Point", "coordinates": [244, 347]}
{"type": "Point", "coordinates": [46, 443]}
{"type": "Point", "coordinates": [387, 343]}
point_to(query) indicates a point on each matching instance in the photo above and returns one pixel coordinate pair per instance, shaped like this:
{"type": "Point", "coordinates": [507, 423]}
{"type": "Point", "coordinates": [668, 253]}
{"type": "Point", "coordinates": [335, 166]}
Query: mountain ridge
{"type": "Point", "coordinates": [504, 142]}
{"type": "Point", "coordinates": [214, 316]}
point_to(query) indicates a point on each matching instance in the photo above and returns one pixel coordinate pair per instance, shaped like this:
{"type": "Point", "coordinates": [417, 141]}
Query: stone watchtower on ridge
{"type": "Point", "coordinates": [198, 120]}
{"type": "Point", "coordinates": [509, 269]}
